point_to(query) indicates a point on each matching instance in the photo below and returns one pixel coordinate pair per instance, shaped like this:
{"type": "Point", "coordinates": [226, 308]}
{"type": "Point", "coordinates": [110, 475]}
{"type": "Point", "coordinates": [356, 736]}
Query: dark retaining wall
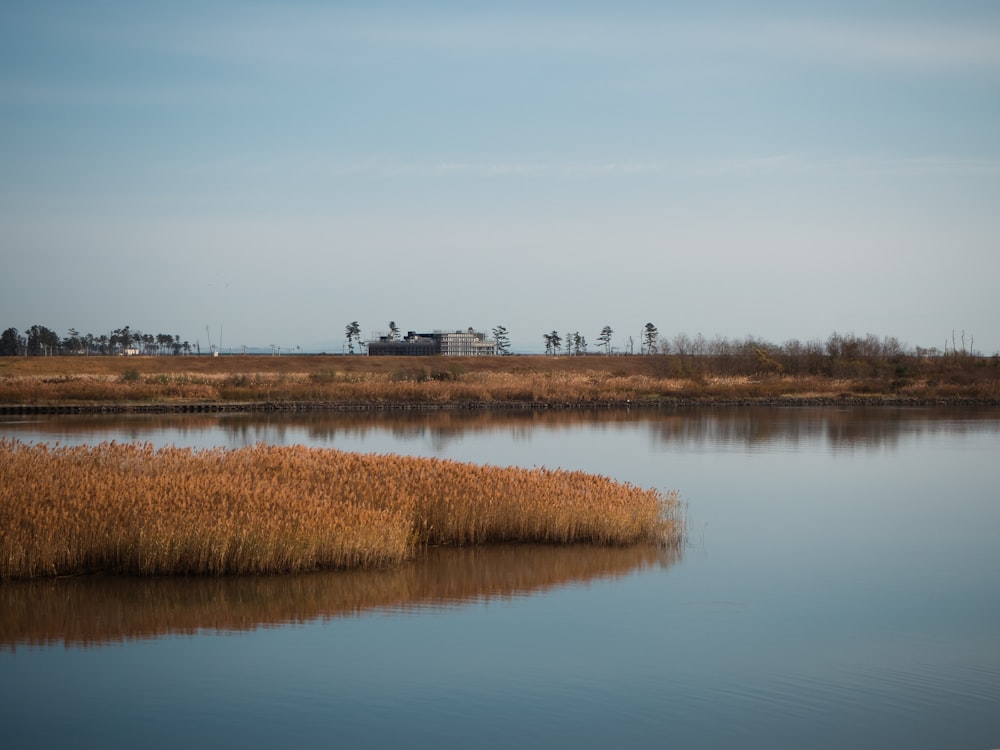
{"type": "Point", "coordinates": [310, 406]}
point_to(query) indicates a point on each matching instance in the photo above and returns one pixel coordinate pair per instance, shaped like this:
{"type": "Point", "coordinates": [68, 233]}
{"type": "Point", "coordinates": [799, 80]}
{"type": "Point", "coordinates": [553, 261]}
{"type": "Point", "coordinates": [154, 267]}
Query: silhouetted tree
{"type": "Point", "coordinates": [503, 341]}
{"type": "Point", "coordinates": [353, 333]}
{"type": "Point", "coordinates": [72, 342]}
{"type": "Point", "coordinates": [10, 343]}
{"type": "Point", "coordinates": [650, 337]}
{"type": "Point", "coordinates": [552, 342]}
{"type": "Point", "coordinates": [42, 340]}
{"type": "Point", "coordinates": [556, 341]}
{"type": "Point", "coordinates": [604, 339]}
{"type": "Point", "coordinates": [120, 339]}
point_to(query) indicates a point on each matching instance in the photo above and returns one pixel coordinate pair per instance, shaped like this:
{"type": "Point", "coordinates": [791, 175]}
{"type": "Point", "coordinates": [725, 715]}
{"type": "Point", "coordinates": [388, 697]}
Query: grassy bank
{"type": "Point", "coordinates": [130, 509]}
{"type": "Point", "coordinates": [583, 380]}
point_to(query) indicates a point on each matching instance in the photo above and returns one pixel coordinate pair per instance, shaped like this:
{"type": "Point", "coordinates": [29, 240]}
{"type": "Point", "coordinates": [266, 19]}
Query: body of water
{"type": "Point", "coordinates": [838, 588]}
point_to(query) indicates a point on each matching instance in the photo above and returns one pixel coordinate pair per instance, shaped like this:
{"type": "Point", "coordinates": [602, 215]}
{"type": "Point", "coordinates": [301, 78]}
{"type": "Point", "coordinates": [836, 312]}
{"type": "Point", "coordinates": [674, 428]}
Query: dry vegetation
{"type": "Point", "coordinates": [582, 380]}
{"type": "Point", "coordinates": [131, 509]}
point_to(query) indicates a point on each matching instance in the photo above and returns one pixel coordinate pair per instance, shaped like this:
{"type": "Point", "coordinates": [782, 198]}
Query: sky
{"type": "Point", "coordinates": [268, 172]}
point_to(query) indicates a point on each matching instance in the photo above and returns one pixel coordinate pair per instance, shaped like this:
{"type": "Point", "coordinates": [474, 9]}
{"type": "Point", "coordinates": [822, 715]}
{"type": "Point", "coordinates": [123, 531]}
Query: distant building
{"type": "Point", "coordinates": [468, 343]}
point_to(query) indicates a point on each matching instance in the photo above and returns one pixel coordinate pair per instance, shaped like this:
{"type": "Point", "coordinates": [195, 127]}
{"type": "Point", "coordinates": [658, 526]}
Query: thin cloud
{"type": "Point", "coordinates": [300, 36]}
{"type": "Point", "coordinates": [767, 166]}
{"type": "Point", "coordinates": [906, 45]}
{"type": "Point", "coordinates": [791, 165]}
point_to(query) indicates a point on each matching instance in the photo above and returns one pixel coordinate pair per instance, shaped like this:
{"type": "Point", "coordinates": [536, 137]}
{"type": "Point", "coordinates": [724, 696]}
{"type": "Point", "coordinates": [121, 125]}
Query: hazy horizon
{"type": "Point", "coordinates": [277, 170]}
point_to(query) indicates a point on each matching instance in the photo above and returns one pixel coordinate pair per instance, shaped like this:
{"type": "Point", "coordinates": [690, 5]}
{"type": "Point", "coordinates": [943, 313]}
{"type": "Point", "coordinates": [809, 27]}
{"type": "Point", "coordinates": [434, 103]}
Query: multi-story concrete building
{"type": "Point", "coordinates": [468, 343]}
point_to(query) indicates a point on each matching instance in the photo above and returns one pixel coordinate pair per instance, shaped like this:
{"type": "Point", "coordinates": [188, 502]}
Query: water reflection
{"type": "Point", "coordinates": [757, 428]}
{"type": "Point", "coordinates": [839, 428]}
{"type": "Point", "coordinates": [93, 611]}
{"type": "Point", "coordinates": [838, 591]}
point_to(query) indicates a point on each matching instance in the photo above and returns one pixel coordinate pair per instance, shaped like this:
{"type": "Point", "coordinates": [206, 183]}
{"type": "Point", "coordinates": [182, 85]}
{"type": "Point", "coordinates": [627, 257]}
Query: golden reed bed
{"type": "Point", "coordinates": [752, 375]}
{"type": "Point", "coordinates": [132, 509]}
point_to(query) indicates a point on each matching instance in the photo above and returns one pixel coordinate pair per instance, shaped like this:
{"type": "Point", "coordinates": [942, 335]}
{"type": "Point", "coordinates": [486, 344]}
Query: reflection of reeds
{"type": "Point", "coordinates": [848, 426]}
{"type": "Point", "coordinates": [94, 610]}
{"type": "Point", "coordinates": [128, 508]}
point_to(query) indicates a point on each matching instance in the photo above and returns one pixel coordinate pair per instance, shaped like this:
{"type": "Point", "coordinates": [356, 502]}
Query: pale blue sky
{"type": "Point", "coordinates": [776, 169]}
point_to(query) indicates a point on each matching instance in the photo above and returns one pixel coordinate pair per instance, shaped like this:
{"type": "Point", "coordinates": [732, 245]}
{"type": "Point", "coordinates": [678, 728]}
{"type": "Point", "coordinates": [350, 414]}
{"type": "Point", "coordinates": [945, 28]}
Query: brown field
{"type": "Point", "coordinates": [563, 380]}
{"type": "Point", "coordinates": [130, 509]}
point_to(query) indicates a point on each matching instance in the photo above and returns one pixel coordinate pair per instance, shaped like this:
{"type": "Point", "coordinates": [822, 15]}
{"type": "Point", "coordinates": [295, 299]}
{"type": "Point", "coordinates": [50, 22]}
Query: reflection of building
{"type": "Point", "coordinates": [467, 343]}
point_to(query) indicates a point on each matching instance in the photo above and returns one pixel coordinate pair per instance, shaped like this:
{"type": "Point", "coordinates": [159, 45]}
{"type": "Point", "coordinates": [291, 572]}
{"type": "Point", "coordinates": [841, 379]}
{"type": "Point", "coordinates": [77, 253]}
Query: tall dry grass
{"type": "Point", "coordinates": [132, 509]}
{"type": "Point", "coordinates": [429, 380]}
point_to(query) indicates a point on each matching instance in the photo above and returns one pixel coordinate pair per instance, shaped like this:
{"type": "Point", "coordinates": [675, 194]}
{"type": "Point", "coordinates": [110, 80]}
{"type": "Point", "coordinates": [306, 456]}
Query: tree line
{"type": "Point", "coordinates": [40, 340]}
{"type": "Point", "coordinates": [574, 343]}
{"type": "Point", "coordinates": [840, 355]}
{"type": "Point", "coordinates": [791, 357]}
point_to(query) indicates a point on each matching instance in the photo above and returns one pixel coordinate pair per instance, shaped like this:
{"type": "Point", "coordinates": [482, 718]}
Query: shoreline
{"type": "Point", "coordinates": [207, 407]}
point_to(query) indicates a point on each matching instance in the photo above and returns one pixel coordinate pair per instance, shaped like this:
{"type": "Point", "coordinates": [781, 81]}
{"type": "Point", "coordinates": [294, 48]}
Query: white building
{"type": "Point", "coordinates": [465, 344]}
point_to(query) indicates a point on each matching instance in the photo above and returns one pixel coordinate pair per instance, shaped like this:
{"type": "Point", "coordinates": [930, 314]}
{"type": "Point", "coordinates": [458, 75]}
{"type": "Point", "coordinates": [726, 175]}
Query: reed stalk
{"type": "Point", "coordinates": [132, 509]}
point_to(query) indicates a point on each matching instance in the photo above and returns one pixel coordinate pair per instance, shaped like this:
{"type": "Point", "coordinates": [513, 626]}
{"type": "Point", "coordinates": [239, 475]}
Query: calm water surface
{"type": "Point", "coordinates": [838, 588]}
